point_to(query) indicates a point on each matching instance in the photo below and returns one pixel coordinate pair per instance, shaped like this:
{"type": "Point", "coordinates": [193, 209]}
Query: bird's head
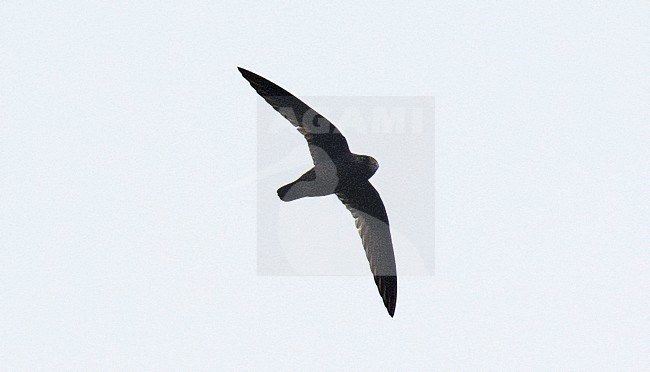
{"type": "Point", "coordinates": [371, 164]}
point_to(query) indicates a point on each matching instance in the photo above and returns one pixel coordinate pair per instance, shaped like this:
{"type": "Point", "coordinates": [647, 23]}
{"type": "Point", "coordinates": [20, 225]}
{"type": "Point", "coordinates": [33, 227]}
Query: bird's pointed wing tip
{"type": "Point", "coordinates": [244, 71]}
{"type": "Point", "coordinates": [390, 306]}
{"type": "Point", "coordinates": [251, 76]}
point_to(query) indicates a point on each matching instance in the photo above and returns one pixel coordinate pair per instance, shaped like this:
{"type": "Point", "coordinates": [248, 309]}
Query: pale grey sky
{"type": "Point", "coordinates": [122, 122]}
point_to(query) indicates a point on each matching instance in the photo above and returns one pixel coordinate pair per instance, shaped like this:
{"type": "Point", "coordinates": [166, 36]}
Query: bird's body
{"type": "Point", "coordinates": [330, 177]}
{"type": "Point", "coordinates": [340, 172]}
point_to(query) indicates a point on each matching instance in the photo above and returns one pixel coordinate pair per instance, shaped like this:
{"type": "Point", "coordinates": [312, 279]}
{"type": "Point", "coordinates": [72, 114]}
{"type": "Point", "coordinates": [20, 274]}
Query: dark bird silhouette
{"type": "Point", "coordinates": [337, 171]}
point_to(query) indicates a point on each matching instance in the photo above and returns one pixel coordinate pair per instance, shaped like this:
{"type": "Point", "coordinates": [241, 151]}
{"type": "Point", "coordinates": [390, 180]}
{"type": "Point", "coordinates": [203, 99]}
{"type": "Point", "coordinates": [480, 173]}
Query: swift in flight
{"type": "Point", "coordinates": [340, 172]}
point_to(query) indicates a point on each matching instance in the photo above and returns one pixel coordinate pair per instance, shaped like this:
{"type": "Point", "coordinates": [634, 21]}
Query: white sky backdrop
{"type": "Point", "coordinates": [120, 123]}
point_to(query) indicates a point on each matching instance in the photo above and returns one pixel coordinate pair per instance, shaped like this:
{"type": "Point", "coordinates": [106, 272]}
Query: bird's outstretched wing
{"type": "Point", "coordinates": [318, 131]}
{"type": "Point", "coordinates": [369, 213]}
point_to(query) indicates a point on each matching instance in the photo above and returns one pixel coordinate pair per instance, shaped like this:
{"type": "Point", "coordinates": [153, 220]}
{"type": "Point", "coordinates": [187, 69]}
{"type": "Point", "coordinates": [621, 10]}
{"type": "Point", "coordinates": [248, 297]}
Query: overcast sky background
{"type": "Point", "coordinates": [122, 122]}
